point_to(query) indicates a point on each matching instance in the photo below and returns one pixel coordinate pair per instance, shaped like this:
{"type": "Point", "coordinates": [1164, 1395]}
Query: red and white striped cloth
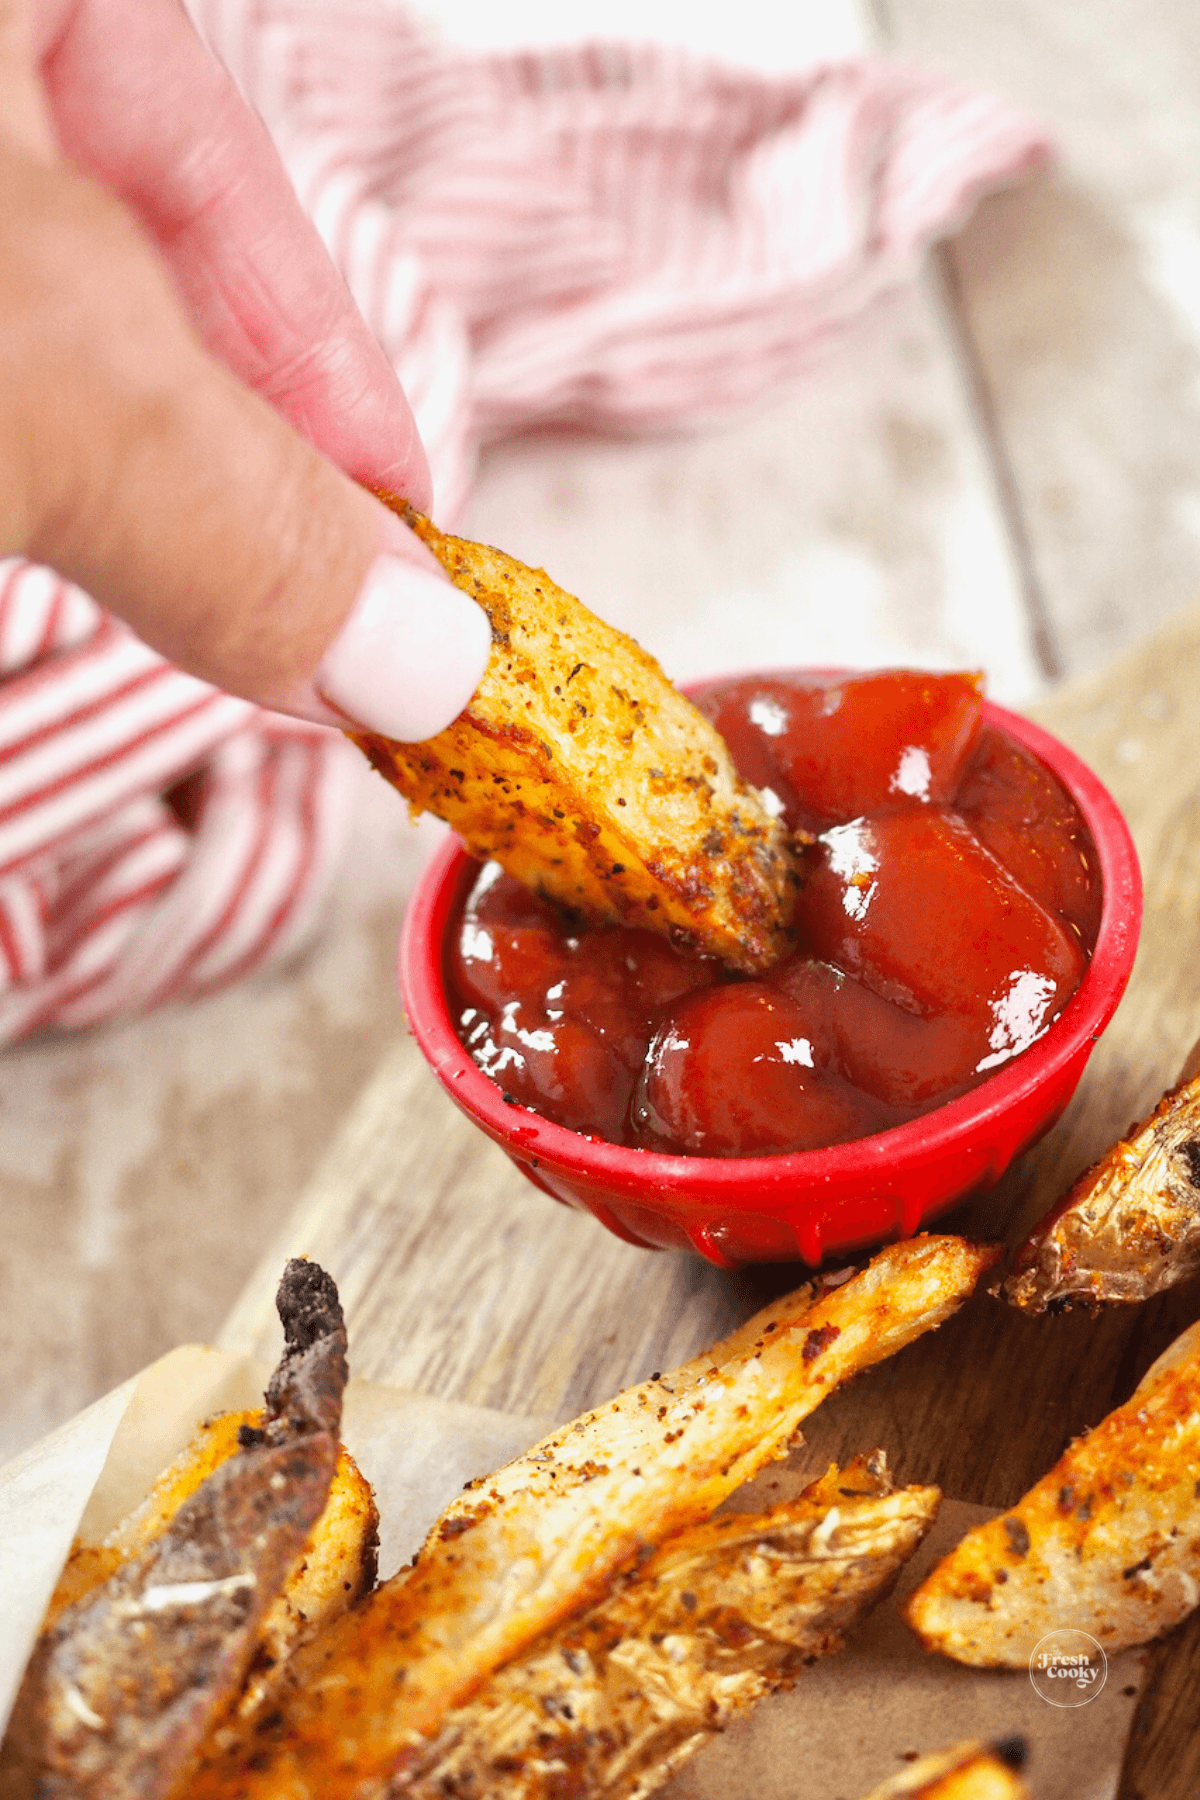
{"type": "Point", "coordinates": [619, 236]}
{"type": "Point", "coordinates": [157, 838]}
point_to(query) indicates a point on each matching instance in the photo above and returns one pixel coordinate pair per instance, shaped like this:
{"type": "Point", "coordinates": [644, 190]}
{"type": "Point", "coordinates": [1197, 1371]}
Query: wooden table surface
{"type": "Point", "coordinates": [460, 1280]}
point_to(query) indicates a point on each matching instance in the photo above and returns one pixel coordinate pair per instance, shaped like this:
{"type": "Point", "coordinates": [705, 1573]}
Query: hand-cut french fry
{"type": "Point", "coordinates": [580, 768]}
{"type": "Point", "coordinates": [546, 1535]}
{"type": "Point", "coordinates": [724, 1612]}
{"type": "Point", "coordinates": [126, 1682]}
{"type": "Point", "coordinates": [1129, 1227]}
{"type": "Point", "coordinates": [967, 1772]}
{"type": "Point", "coordinates": [1108, 1542]}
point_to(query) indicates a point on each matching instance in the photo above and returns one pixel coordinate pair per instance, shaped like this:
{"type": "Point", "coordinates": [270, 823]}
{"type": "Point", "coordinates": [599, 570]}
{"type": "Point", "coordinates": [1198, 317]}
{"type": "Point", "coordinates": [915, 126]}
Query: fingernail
{"type": "Point", "coordinates": [410, 655]}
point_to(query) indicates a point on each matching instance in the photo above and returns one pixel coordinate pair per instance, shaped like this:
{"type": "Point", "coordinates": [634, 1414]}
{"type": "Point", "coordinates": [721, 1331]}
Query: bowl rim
{"type": "Point", "coordinates": [740, 1181]}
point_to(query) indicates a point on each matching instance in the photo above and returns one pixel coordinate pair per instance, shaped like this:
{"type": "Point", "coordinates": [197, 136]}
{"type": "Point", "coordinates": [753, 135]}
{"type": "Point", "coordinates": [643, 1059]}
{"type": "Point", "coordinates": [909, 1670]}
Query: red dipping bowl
{"type": "Point", "coordinates": [812, 1203]}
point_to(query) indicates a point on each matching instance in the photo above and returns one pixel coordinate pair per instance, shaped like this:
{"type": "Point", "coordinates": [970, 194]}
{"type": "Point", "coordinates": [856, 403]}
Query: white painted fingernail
{"type": "Point", "coordinates": [410, 655]}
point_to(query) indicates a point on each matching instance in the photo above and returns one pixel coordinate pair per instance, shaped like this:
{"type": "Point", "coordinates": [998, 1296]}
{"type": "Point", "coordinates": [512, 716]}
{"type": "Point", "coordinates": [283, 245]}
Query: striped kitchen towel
{"type": "Point", "coordinates": [619, 236]}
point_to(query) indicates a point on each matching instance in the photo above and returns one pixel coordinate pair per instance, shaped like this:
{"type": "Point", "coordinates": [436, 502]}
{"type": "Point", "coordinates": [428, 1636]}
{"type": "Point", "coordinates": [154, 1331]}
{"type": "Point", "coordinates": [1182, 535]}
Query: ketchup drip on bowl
{"type": "Point", "coordinates": [949, 903]}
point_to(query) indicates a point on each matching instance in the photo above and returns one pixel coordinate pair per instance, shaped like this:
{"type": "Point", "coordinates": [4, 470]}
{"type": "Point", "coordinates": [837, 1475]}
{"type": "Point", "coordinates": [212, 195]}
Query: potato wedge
{"type": "Point", "coordinates": [337, 1567]}
{"type": "Point", "coordinates": [1108, 1542]}
{"type": "Point", "coordinates": [124, 1685]}
{"type": "Point", "coordinates": [546, 1535]}
{"type": "Point", "coordinates": [613, 1703]}
{"type": "Point", "coordinates": [1129, 1227]}
{"type": "Point", "coordinates": [90, 1564]}
{"type": "Point", "coordinates": [969, 1771]}
{"type": "Point", "coordinates": [580, 768]}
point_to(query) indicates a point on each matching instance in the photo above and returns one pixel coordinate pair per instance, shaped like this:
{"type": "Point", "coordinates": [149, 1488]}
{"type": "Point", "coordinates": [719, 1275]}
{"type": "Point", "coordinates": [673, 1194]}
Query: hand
{"type": "Point", "coordinates": [186, 388]}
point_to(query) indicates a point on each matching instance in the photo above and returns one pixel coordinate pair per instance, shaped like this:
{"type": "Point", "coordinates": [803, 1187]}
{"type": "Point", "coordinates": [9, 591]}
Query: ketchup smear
{"type": "Point", "coordinates": [946, 912]}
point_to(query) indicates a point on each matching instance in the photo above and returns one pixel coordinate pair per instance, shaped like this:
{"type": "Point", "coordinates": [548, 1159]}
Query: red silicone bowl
{"type": "Point", "coordinates": [811, 1203]}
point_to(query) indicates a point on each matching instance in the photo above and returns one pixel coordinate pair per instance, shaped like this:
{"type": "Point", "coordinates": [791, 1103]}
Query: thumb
{"type": "Point", "coordinates": [137, 465]}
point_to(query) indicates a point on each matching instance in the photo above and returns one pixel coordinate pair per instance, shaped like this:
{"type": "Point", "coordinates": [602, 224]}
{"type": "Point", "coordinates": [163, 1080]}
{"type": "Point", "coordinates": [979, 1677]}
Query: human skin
{"type": "Point", "coordinates": [191, 408]}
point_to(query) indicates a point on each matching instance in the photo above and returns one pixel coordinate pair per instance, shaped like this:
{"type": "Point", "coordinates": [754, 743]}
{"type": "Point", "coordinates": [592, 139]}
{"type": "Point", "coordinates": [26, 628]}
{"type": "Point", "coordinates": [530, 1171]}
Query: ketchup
{"type": "Point", "coordinates": [949, 902]}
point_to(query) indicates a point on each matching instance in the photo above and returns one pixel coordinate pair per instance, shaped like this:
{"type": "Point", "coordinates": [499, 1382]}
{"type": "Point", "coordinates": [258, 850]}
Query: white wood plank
{"type": "Point", "coordinates": [1083, 295]}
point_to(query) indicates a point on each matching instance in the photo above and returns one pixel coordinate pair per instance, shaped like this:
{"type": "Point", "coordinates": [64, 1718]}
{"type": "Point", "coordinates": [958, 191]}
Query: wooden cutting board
{"type": "Point", "coordinates": [461, 1280]}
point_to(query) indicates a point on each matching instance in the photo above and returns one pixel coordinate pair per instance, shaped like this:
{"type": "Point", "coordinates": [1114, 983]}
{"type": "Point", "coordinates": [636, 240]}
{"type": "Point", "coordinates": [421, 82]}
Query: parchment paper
{"type": "Point", "coordinates": [850, 1721]}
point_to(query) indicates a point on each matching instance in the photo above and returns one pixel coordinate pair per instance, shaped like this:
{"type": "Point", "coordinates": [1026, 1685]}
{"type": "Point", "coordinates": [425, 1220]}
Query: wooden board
{"type": "Point", "coordinates": [461, 1280]}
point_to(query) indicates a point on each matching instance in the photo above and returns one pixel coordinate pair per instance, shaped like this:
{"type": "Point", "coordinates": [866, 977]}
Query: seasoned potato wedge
{"type": "Point", "coordinates": [967, 1772]}
{"type": "Point", "coordinates": [547, 1534]}
{"type": "Point", "coordinates": [1108, 1542]}
{"type": "Point", "coordinates": [580, 768]}
{"type": "Point", "coordinates": [337, 1567]}
{"type": "Point", "coordinates": [90, 1564]}
{"type": "Point", "coordinates": [724, 1612]}
{"type": "Point", "coordinates": [1129, 1227]}
{"type": "Point", "coordinates": [128, 1679]}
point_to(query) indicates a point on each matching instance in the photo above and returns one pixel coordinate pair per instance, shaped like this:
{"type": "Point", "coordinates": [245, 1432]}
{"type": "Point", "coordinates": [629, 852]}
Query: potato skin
{"type": "Point", "coordinates": [1130, 1226]}
{"type": "Point", "coordinates": [89, 1565]}
{"type": "Point", "coordinates": [580, 769]}
{"type": "Point", "coordinates": [337, 1568]}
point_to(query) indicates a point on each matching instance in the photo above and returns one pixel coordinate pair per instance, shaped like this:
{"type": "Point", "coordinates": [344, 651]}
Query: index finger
{"type": "Point", "coordinates": [139, 102]}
